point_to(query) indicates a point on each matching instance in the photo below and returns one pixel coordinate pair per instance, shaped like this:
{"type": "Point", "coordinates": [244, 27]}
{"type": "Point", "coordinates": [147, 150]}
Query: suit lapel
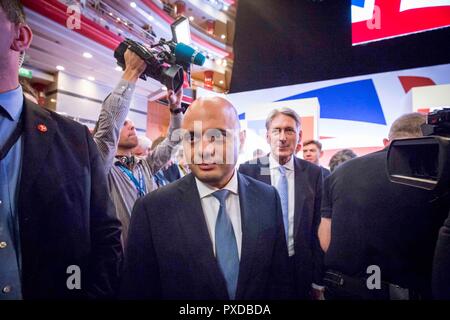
{"type": "Point", "coordinates": [200, 246]}
{"type": "Point", "coordinates": [250, 233]}
{"type": "Point", "coordinates": [39, 132]}
{"type": "Point", "coordinates": [299, 195]}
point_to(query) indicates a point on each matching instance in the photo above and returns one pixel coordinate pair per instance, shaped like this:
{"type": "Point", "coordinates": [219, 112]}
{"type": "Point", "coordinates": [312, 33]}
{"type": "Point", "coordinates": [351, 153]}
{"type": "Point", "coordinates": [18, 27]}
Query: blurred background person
{"type": "Point", "coordinates": [258, 153]}
{"type": "Point", "coordinates": [143, 147]}
{"type": "Point", "coordinates": [312, 152]}
{"type": "Point", "coordinates": [180, 159]}
{"type": "Point", "coordinates": [168, 172]}
{"type": "Point", "coordinates": [340, 157]}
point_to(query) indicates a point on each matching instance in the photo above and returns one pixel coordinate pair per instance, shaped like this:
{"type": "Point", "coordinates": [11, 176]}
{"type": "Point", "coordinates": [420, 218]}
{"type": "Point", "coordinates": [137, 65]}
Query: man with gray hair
{"type": "Point", "coordinates": [340, 157]}
{"type": "Point", "coordinates": [299, 184]}
{"type": "Point", "coordinates": [143, 147]}
{"type": "Point", "coordinates": [384, 234]}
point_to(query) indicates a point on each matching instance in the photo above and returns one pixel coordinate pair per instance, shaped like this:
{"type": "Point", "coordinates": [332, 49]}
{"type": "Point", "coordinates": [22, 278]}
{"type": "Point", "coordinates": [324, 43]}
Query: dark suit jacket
{"type": "Point", "coordinates": [325, 172]}
{"type": "Point", "coordinates": [169, 253]}
{"type": "Point", "coordinates": [441, 264]}
{"type": "Point", "coordinates": [377, 222]}
{"type": "Point", "coordinates": [308, 194]}
{"type": "Point", "coordinates": [65, 214]}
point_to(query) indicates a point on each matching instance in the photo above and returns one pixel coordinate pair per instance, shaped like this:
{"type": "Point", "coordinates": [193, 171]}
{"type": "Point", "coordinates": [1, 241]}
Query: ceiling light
{"type": "Point", "coordinates": [191, 18]}
{"type": "Point", "coordinates": [52, 100]}
{"type": "Point", "coordinates": [60, 68]}
{"type": "Point", "coordinates": [223, 36]}
{"type": "Point", "coordinates": [221, 81]}
{"type": "Point", "coordinates": [118, 19]}
{"type": "Point", "coordinates": [111, 14]}
{"type": "Point", "coordinates": [91, 78]}
{"type": "Point", "coordinates": [87, 55]}
{"type": "Point", "coordinates": [133, 4]}
{"type": "Point", "coordinates": [219, 62]}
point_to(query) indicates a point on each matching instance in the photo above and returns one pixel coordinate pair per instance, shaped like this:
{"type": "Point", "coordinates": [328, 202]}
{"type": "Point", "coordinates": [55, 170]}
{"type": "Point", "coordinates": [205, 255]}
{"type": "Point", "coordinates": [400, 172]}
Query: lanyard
{"type": "Point", "coordinates": [140, 185]}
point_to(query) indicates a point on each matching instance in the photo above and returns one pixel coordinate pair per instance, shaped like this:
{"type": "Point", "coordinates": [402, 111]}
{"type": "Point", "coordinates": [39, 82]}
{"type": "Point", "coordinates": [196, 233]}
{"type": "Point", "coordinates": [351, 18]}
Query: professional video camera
{"type": "Point", "coordinates": [424, 162]}
{"type": "Point", "coordinates": [165, 60]}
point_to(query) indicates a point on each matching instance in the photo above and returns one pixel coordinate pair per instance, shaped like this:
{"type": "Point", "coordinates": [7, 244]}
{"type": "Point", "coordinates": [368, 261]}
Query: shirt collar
{"type": "Point", "coordinates": [205, 190]}
{"type": "Point", "coordinates": [274, 164]}
{"type": "Point", "coordinates": [12, 102]}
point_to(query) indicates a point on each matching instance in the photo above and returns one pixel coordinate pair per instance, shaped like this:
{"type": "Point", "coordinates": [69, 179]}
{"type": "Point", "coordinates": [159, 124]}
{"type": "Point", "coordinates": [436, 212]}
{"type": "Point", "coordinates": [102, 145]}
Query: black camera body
{"type": "Point", "coordinates": [161, 64]}
{"type": "Point", "coordinates": [424, 162]}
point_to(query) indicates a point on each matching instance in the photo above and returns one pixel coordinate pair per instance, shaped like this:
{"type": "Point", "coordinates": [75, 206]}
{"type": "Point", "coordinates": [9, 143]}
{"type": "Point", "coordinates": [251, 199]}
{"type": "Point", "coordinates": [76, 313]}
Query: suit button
{"type": "Point", "coordinates": [6, 289]}
{"type": "Point", "coordinates": [3, 245]}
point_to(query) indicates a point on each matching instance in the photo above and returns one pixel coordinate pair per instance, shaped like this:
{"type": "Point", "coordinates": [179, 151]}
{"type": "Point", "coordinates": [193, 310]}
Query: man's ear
{"type": "Point", "coordinates": [321, 154]}
{"type": "Point", "coordinates": [300, 136]}
{"type": "Point", "coordinates": [23, 38]}
{"type": "Point", "coordinates": [386, 142]}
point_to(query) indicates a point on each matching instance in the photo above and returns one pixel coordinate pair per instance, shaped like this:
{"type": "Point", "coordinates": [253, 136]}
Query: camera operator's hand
{"type": "Point", "coordinates": [134, 66]}
{"type": "Point", "coordinates": [175, 99]}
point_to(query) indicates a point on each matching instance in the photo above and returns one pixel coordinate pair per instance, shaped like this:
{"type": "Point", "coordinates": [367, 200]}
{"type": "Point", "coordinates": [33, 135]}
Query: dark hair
{"type": "Point", "coordinates": [13, 10]}
{"type": "Point", "coordinates": [317, 143]}
{"type": "Point", "coordinates": [340, 157]}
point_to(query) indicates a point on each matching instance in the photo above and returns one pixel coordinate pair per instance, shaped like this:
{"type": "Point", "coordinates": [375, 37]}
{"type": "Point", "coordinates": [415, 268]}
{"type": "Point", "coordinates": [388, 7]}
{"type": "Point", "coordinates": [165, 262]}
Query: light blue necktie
{"type": "Point", "coordinates": [283, 192]}
{"type": "Point", "coordinates": [226, 245]}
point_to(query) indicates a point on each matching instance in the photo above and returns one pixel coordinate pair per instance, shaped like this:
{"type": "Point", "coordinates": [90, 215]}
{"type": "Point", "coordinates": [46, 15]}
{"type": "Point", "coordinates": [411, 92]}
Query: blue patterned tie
{"type": "Point", "coordinates": [283, 192]}
{"type": "Point", "coordinates": [226, 245]}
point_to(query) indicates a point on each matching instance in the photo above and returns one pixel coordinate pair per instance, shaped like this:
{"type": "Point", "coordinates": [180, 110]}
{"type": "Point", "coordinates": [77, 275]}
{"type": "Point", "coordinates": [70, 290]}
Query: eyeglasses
{"type": "Point", "coordinates": [287, 131]}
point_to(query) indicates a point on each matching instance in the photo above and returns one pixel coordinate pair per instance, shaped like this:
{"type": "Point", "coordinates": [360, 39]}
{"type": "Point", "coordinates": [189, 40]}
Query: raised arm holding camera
{"type": "Point", "coordinates": [129, 177]}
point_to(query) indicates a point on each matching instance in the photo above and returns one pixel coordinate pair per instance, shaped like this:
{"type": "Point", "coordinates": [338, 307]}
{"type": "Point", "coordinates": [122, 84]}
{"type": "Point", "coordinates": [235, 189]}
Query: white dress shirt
{"type": "Point", "coordinates": [211, 206]}
{"type": "Point", "coordinates": [290, 176]}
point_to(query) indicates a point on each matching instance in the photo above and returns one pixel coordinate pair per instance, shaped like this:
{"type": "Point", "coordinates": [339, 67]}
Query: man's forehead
{"type": "Point", "coordinates": [217, 120]}
{"type": "Point", "coordinates": [201, 127]}
{"type": "Point", "coordinates": [282, 118]}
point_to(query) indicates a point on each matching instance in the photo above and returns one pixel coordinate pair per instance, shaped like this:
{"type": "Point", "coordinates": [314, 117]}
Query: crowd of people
{"type": "Point", "coordinates": [178, 219]}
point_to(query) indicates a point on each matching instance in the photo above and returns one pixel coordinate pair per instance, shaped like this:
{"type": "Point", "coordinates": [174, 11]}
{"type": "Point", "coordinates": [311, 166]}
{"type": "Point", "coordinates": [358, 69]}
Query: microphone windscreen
{"type": "Point", "coordinates": [187, 54]}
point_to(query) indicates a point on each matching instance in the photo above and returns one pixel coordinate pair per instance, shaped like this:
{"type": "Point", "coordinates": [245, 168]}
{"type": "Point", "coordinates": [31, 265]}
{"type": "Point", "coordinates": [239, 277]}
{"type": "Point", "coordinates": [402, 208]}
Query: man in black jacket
{"type": "Point", "coordinates": [59, 238]}
{"type": "Point", "coordinates": [379, 236]}
{"type": "Point", "coordinates": [215, 233]}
